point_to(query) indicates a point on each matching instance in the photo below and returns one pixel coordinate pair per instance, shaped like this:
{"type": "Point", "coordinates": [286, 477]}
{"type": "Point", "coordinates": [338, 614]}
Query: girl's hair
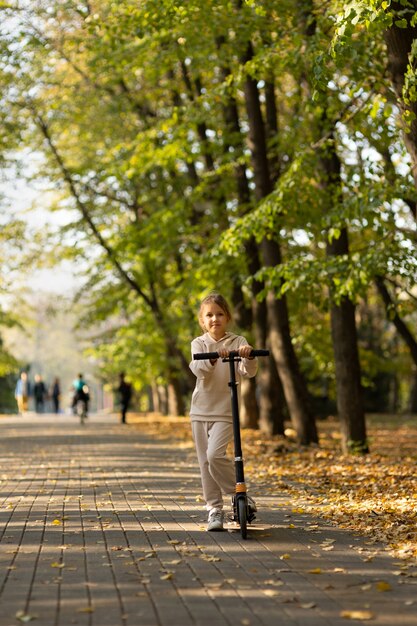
{"type": "Point", "coordinates": [218, 299]}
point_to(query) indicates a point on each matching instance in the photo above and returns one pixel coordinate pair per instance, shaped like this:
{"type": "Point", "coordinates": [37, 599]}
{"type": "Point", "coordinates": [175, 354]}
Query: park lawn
{"type": "Point", "coordinates": [374, 495]}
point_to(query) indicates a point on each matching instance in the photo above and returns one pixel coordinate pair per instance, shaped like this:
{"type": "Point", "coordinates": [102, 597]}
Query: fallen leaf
{"type": "Point", "coordinates": [273, 582]}
{"type": "Point", "coordinates": [210, 558]}
{"type": "Point", "coordinates": [359, 615]}
{"type": "Point", "coordinates": [383, 586]}
{"type": "Point", "coordinates": [316, 570]}
{"type": "Point", "coordinates": [25, 617]}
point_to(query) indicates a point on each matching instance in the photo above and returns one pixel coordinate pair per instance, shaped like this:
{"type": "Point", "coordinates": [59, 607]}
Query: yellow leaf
{"type": "Point", "coordinates": [210, 558]}
{"type": "Point", "coordinates": [284, 557]}
{"type": "Point", "coordinates": [24, 617]}
{"type": "Point", "coordinates": [359, 615]}
{"type": "Point", "coordinates": [88, 609]}
{"type": "Point", "coordinates": [383, 586]}
{"type": "Point", "coordinates": [56, 522]}
{"type": "Point", "coordinates": [167, 576]}
{"type": "Point", "coordinates": [316, 570]}
{"type": "Point", "coordinates": [56, 564]}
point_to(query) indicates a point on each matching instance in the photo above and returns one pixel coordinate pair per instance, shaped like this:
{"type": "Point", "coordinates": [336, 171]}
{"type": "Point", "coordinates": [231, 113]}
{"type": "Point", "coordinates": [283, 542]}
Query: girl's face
{"type": "Point", "coordinates": [214, 320]}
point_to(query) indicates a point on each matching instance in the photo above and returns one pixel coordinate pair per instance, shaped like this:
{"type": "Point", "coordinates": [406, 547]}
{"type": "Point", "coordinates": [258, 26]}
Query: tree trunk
{"type": "Point", "coordinates": [393, 316]}
{"type": "Point", "coordinates": [176, 404]}
{"type": "Point", "coordinates": [405, 334]}
{"type": "Point", "coordinates": [271, 402]}
{"type": "Point", "coordinates": [399, 42]}
{"type": "Point", "coordinates": [347, 364]}
{"type": "Point", "coordinates": [343, 326]}
{"type": "Point", "coordinates": [412, 403]}
{"type": "Point", "coordinates": [249, 411]}
{"type": "Point", "coordinates": [293, 382]}
{"type": "Point", "coordinates": [272, 405]}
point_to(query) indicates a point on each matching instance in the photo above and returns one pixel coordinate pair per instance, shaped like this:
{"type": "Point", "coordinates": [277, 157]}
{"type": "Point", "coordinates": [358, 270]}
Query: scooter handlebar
{"type": "Point", "coordinates": [215, 355]}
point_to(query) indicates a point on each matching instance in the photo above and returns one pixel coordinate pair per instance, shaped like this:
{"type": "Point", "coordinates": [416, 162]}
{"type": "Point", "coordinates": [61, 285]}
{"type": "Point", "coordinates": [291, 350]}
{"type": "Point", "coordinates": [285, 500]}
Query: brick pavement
{"type": "Point", "coordinates": [101, 526]}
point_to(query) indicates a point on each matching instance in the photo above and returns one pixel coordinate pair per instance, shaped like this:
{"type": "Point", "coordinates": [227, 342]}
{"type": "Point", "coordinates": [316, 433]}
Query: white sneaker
{"type": "Point", "coordinates": [215, 520]}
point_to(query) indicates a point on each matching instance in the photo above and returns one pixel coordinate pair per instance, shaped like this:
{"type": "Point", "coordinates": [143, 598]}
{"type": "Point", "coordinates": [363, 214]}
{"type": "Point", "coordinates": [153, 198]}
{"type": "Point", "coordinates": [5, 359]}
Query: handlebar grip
{"type": "Point", "coordinates": [200, 356]}
{"type": "Point", "coordinates": [215, 355]}
{"type": "Point", "coordinates": [259, 353]}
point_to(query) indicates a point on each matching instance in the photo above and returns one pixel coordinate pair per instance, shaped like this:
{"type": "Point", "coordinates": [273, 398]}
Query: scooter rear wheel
{"type": "Point", "coordinates": [242, 516]}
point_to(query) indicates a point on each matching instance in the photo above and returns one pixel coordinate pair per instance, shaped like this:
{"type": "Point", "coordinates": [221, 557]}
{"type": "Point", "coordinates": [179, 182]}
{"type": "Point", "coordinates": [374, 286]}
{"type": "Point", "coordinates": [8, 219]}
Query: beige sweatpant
{"type": "Point", "coordinates": [217, 470]}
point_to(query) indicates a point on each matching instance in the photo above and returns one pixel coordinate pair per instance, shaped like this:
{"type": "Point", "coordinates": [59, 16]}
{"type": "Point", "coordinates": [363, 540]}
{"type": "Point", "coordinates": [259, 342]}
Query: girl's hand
{"type": "Point", "coordinates": [244, 352]}
{"type": "Point", "coordinates": [223, 353]}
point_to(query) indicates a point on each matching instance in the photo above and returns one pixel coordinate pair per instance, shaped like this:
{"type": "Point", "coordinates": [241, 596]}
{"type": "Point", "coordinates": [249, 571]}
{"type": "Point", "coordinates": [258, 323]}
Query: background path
{"type": "Point", "coordinates": [102, 525]}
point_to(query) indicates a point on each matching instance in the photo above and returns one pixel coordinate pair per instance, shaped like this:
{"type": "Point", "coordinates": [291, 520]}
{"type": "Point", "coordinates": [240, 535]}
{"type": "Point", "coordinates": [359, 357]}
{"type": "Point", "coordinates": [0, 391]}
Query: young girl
{"type": "Point", "coordinates": [211, 412]}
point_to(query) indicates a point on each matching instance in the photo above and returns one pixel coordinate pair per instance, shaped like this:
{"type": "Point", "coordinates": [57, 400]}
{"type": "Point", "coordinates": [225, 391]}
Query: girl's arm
{"type": "Point", "coordinates": [199, 368]}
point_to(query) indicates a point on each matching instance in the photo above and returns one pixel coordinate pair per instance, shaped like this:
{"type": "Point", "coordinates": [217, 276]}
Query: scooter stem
{"type": "Point", "coordinates": [240, 476]}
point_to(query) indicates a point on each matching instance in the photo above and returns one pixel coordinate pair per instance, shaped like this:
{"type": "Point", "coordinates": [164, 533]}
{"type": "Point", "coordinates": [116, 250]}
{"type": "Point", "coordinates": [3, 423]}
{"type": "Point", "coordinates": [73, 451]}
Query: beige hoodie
{"type": "Point", "coordinates": [211, 400]}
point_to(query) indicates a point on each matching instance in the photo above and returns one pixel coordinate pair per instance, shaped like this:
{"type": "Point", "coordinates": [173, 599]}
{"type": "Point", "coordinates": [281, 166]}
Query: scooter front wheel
{"type": "Point", "coordinates": [242, 516]}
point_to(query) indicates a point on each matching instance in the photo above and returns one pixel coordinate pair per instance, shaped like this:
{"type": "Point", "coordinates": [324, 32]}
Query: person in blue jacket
{"type": "Point", "coordinates": [22, 393]}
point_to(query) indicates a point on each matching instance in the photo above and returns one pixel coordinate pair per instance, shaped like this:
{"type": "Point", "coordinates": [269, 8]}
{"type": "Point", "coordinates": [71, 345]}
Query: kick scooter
{"type": "Point", "coordinates": [242, 513]}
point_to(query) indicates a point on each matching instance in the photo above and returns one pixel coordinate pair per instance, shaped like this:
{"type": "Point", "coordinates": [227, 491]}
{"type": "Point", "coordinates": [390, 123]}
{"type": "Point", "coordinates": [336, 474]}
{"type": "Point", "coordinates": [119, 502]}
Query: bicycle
{"type": "Point", "coordinates": [242, 512]}
{"type": "Point", "coordinates": [81, 400]}
{"type": "Point", "coordinates": [81, 410]}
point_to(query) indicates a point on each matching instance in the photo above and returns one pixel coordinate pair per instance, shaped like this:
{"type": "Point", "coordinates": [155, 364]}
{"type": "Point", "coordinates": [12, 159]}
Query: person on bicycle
{"type": "Point", "coordinates": [81, 393]}
{"type": "Point", "coordinates": [211, 412]}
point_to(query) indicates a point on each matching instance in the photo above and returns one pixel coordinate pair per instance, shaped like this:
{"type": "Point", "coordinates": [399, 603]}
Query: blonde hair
{"type": "Point", "coordinates": [218, 299]}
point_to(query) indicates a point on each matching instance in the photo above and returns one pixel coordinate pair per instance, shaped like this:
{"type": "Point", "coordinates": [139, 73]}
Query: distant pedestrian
{"type": "Point", "coordinates": [56, 395]}
{"type": "Point", "coordinates": [125, 393]}
{"type": "Point", "coordinates": [39, 394]}
{"type": "Point", "coordinates": [22, 393]}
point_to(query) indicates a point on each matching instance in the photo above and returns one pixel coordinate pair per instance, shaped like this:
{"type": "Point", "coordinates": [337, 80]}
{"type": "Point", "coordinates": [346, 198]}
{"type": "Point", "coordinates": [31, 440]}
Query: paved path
{"type": "Point", "coordinates": [100, 526]}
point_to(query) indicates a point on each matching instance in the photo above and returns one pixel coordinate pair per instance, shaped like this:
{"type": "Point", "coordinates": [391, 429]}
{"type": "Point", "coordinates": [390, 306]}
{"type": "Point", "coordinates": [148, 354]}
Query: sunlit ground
{"type": "Point", "coordinates": [375, 494]}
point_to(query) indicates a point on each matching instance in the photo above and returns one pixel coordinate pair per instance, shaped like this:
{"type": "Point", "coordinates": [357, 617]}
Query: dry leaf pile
{"type": "Point", "coordinates": [374, 495]}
